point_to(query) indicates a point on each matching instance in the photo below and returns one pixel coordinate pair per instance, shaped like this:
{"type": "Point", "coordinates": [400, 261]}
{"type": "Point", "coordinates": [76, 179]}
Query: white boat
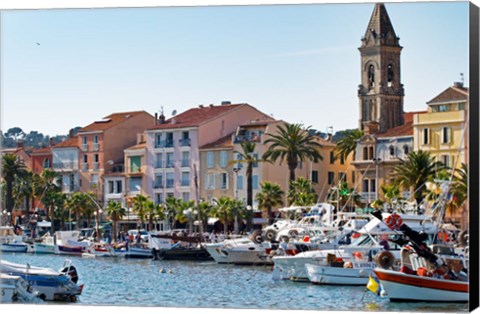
{"type": "Point", "coordinates": [13, 247]}
{"type": "Point", "coordinates": [52, 285]}
{"type": "Point", "coordinates": [356, 275]}
{"type": "Point", "coordinates": [218, 250]}
{"type": "Point", "coordinates": [250, 254]}
{"type": "Point", "coordinates": [14, 289]}
{"type": "Point", "coordinates": [133, 251]}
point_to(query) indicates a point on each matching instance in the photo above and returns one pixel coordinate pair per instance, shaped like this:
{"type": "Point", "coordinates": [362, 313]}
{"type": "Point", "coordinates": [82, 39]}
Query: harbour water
{"type": "Point", "coordinates": [140, 282]}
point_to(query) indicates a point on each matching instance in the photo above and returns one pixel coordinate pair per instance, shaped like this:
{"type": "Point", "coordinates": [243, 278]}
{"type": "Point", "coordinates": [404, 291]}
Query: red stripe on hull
{"type": "Point", "coordinates": [424, 282]}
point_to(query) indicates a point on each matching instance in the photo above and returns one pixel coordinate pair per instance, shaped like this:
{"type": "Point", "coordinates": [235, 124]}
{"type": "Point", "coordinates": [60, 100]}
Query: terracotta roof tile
{"type": "Point", "coordinates": [110, 121]}
{"type": "Point", "coordinates": [405, 129]}
{"type": "Point", "coordinates": [42, 151]}
{"type": "Point", "coordinates": [453, 93]}
{"type": "Point", "coordinates": [71, 142]}
{"type": "Point", "coordinates": [224, 142]}
{"type": "Point", "coordinates": [196, 116]}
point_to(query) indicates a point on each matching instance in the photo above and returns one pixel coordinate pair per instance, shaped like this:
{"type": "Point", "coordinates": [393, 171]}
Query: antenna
{"type": "Point", "coordinates": [161, 110]}
{"type": "Point", "coordinates": [462, 78]}
{"type": "Point", "coordinates": [174, 112]}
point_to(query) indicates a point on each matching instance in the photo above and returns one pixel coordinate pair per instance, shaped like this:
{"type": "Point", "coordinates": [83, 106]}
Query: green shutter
{"type": "Point", "coordinates": [135, 163]}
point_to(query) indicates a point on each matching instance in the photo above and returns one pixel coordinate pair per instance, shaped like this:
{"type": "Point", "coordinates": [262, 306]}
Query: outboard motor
{"type": "Point", "coordinates": [71, 271]}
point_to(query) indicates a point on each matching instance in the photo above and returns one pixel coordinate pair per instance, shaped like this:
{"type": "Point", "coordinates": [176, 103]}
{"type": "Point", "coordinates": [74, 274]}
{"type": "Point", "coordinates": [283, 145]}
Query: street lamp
{"type": "Point", "coordinates": [195, 215]}
{"type": "Point", "coordinates": [249, 216]}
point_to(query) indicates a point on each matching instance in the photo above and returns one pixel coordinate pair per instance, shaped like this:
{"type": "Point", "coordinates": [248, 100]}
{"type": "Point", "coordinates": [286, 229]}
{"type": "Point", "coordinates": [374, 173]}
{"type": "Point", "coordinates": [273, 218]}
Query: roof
{"type": "Point", "coordinates": [141, 145]}
{"type": "Point", "coordinates": [258, 122]}
{"type": "Point", "coordinates": [71, 142]}
{"type": "Point", "coordinates": [42, 151]}
{"type": "Point", "coordinates": [196, 116]}
{"type": "Point", "coordinates": [224, 142]}
{"type": "Point", "coordinates": [406, 129]}
{"type": "Point", "coordinates": [111, 121]}
{"type": "Point", "coordinates": [381, 27]}
{"type": "Point", "coordinates": [453, 93]}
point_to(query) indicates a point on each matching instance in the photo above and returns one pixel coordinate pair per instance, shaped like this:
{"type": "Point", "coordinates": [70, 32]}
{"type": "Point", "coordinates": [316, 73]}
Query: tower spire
{"type": "Point", "coordinates": [380, 29]}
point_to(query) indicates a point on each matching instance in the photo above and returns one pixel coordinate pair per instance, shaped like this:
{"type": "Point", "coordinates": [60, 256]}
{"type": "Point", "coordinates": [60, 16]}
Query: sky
{"type": "Point", "coordinates": [63, 68]}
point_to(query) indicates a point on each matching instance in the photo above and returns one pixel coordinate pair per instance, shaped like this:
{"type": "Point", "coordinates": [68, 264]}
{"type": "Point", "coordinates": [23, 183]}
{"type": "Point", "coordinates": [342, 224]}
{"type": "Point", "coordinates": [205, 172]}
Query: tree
{"type": "Point", "coordinates": [171, 205]}
{"type": "Point", "coordinates": [391, 194]}
{"type": "Point", "coordinates": [24, 191]}
{"type": "Point", "coordinates": [248, 157]}
{"type": "Point", "coordinates": [15, 133]}
{"type": "Point", "coordinates": [418, 169]}
{"type": "Point", "coordinates": [75, 203]}
{"type": "Point", "coordinates": [181, 213]}
{"type": "Point", "coordinates": [115, 212]}
{"type": "Point", "coordinates": [223, 211]}
{"type": "Point", "coordinates": [270, 196]}
{"type": "Point", "coordinates": [140, 207]}
{"type": "Point", "coordinates": [348, 143]}
{"type": "Point", "coordinates": [48, 184]}
{"type": "Point", "coordinates": [90, 207]}
{"type": "Point", "coordinates": [150, 213]}
{"type": "Point", "coordinates": [12, 168]}
{"type": "Point", "coordinates": [292, 144]}
{"type": "Point", "coordinates": [204, 210]}
{"type": "Point", "coordinates": [301, 193]}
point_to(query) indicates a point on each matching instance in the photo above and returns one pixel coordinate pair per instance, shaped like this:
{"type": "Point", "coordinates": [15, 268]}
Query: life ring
{"type": "Point", "coordinates": [385, 259]}
{"type": "Point", "coordinates": [443, 236]}
{"type": "Point", "coordinates": [306, 238]}
{"type": "Point", "coordinates": [394, 221]}
{"type": "Point", "coordinates": [257, 236]}
{"type": "Point", "coordinates": [357, 255]}
{"type": "Point", "coordinates": [293, 233]}
{"type": "Point", "coordinates": [270, 235]}
{"type": "Point", "coordinates": [463, 238]}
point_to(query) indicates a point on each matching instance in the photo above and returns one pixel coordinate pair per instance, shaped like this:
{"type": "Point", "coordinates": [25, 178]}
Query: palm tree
{"type": "Point", "coordinates": [223, 210]}
{"type": "Point", "coordinates": [140, 206]}
{"type": "Point", "coordinates": [150, 213]}
{"type": "Point", "coordinates": [413, 173]}
{"type": "Point", "coordinates": [159, 212]}
{"type": "Point", "coordinates": [48, 184]}
{"type": "Point", "coordinates": [391, 193]}
{"type": "Point", "coordinates": [89, 207]}
{"type": "Point", "coordinates": [24, 191]}
{"type": "Point", "coordinates": [348, 143]}
{"type": "Point", "coordinates": [204, 210]}
{"type": "Point", "coordinates": [171, 205]}
{"type": "Point", "coordinates": [12, 168]}
{"type": "Point", "coordinates": [181, 215]}
{"type": "Point", "coordinates": [301, 193]}
{"type": "Point", "coordinates": [248, 157]}
{"type": "Point", "coordinates": [270, 196]}
{"type": "Point", "coordinates": [115, 212]}
{"type": "Point", "coordinates": [292, 144]}
{"type": "Point", "coordinates": [75, 203]}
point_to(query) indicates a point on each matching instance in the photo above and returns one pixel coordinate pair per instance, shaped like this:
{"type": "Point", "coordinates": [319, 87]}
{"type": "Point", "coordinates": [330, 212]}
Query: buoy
{"type": "Point", "coordinates": [170, 271]}
{"type": "Point", "coordinates": [394, 221]}
{"type": "Point", "coordinates": [306, 238]}
{"type": "Point", "coordinates": [443, 236]}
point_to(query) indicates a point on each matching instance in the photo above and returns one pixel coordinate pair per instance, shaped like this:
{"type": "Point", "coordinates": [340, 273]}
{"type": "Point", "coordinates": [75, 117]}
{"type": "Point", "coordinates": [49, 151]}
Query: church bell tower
{"type": "Point", "coordinates": [381, 91]}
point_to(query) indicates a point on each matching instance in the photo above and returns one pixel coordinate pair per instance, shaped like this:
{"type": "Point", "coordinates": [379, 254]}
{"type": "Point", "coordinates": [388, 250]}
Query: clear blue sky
{"type": "Point", "coordinates": [297, 62]}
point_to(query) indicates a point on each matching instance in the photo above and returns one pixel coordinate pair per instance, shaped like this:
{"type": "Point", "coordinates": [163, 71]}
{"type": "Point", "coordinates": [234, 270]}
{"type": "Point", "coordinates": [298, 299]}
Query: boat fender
{"type": "Point", "coordinates": [385, 259]}
{"type": "Point", "coordinates": [257, 236]}
{"type": "Point", "coordinates": [443, 236]}
{"type": "Point", "coordinates": [270, 234]}
{"type": "Point", "coordinates": [293, 233]}
{"type": "Point", "coordinates": [362, 272]}
{"type": "Point", "coordinates": [463, 238]}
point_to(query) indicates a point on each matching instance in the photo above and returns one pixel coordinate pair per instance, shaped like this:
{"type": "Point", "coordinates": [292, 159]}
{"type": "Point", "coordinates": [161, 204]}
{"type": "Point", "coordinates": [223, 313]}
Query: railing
{"type": "Point", "coordinates": [65, 166]}
{"type": "Point", "coordinates": [169, 143]}
{"type": "Point", "coordinates": [184, 142]}
{"type": "Point", "coordinates": [247, 138]}
{"type": "Point", "coordinates": [96, 166]}
{"type": "Point", "coordinates": [165, 143]}
{"type": "Point", "coordinates": [85, 147]}
{"type": "Point", "coordinates": [96, 147]}
{"type": "Point", "coordinates": [84, 166]}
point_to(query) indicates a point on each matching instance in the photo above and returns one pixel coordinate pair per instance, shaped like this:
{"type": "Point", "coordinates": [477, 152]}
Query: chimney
{"type": "Point", "coordinates": [200, 106]}
{"type": "Point", "coordinates": [211, 105]}
{"type": "Point", "coordinates": [52, 141]}
{"type": "Point", "coordinates": [140, 138]}
{"type": "Point", "coordinates": [226, 102]}
{"type": "Point", "coordinates": [156, 118]}
{"type": "Point", "coordinates": [458, 84]}
{"type": "Point", "coordinates": [20, 144]}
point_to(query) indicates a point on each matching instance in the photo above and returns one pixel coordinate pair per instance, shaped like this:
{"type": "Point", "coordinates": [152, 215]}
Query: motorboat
{"type": "Point", "coordinates": [13, 247]}
{"type": "Point", "coordinates": [369, 240]}
{"type": "Point", "coordinates": [136, 251]}
{"type": "Point", "coordinates": [349, 273]}
{"type": "Point", "coordinates": [14, 289]}
{"type": "Point", "coordinates": [217, 250]}
{"type": "Point", "coordinates": [52, 285]}
{"type": "Point", "coordinates": [257, 254]}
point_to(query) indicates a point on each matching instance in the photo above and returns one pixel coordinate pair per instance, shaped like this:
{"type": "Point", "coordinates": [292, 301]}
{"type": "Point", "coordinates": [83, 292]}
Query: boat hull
{"type": "Point", "coordinates": [245, 257]}
{"type": "Point", "coordinates": [217, 252]}
{"type": "Point", "coordinates": [134, 252]}
{"type": "Point", "coordinates": [328, 275]}
{"type": "Point", "coordinates": [194, 254]}
{"type": "Point", "coordinates": [69, 250]}
{"type": "Point", "coordinates": [40, 248]}
{"type": "Point", "coordinates": [13, 248]}
{"type": "Point", "coordinates": [403, 287]}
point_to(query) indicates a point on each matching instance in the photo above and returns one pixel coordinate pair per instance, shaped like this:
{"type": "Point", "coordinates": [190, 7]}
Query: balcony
{"type": "Point", "coordinates": [247, 138]}
{"type": "Point", "coordinates": [184, 142]}
{"type": "Point", "coordinates": [85, 147]}
{"type": "Point", "coordinates": [84, 166]}
{"type": "Point", "coordinates": [65, 166]}
{"type": "Point", "coordinates": [96, 147]}
{"type": "Point", "coordinates": [169, 142]}
{"type": "Point", "coordinates": [164, 144]}
{"type": "Point", "coordinates": [96, 166]}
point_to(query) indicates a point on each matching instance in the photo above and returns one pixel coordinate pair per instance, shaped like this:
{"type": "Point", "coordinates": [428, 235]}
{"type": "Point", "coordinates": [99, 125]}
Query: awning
{"type": "Point", "coordinates": [212, 221]}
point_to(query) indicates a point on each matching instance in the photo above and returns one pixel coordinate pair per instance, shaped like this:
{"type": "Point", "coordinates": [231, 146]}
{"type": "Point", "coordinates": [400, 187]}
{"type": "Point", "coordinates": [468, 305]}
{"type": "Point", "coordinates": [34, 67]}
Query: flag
{"type": "Point", "coordinates": [373, 285]}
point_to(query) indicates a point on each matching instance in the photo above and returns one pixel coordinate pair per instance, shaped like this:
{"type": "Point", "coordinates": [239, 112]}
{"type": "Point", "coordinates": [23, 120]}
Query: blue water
{"type": "Point", "coordinates": [139, 282]}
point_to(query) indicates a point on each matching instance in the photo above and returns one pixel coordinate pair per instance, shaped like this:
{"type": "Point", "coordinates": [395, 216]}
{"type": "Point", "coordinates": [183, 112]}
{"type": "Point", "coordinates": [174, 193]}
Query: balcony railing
{"type": "Point", "coordinates": [247, 138]}
{"type": "Point", "coordinates": [84, 166]}
{"type": "Point", "coordinates": [96, 147]}
{"type": "Point", "coordinates": [65, 166]}
{"type": "Point", "coordinates": [85, 147]}
{"type": "Point", "coordinates": [96, 166]}
{"type": "Point", "coordinates": [184, 142]}
{"type": "Point", "coordinates": [166, 143]}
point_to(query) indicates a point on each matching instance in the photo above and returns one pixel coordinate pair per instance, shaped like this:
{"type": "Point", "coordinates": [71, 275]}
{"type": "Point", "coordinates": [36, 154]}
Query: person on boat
{"type": "Point", "coordinates": [212, 237]}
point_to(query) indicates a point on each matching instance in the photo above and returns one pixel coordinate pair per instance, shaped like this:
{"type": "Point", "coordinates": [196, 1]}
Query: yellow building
{"type": "Point", "coordinates": [442, 130]}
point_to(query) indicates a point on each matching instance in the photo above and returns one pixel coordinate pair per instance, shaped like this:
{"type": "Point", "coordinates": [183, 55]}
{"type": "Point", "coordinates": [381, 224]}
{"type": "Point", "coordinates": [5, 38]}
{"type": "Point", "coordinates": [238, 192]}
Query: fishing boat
{"type": "Point", "coordinates": [14, 247]}
{"type": "Point", "coordinates": [342, 273]}
{"type": "Point", "coordinates": [14, 289]}
{"type": "Point", "coordinates": [52, 285]}
{"type": "Point", "coordinates": [137, 251]}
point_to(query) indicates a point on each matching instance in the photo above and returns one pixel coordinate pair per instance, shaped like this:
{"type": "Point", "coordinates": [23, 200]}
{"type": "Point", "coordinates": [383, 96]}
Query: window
{"type": "Point", "coordinates": [185, 159]}
{"type": "Point", "coordinates": [331, 177]}
{"type": "Point", "coordinates": [209, 181]}
{"type": "Point", "coordinates": [342, 176]}
{"type": "Point", "coordinates": [170, 160]}
{"type": "Point", "coordinates": [223, 182]}
{"type": "Point", "coordinates": [135, 184]}
{"type": "Point", "coordinates": [223, 158]}
{"type": "Point", "coordinates": [255, 182]}
{"type": "Point", "coordinates": [46, 163]}
{"type": "Point", "coordinates": [111, 187]}
{"type": "Point", "coordinates": [390, 75]}
{"type": "Point", "coordinates": [158, 183]}
{"type": "Point", "coordinates": [84, 140]}
{"type": "Point", "coordinates": [371, 75]}
{"type": "Point", "coordinates": [169, 139]}
{"type": "Point", "coordinates": [446, 134]}
{"type": "Point", "coordinates": [170, 180]}
{"type": "Point", "coordinates": [370, 153]}
{"type": "Point", "coordinates": [373, 185]}
{"type": "Point", "coordinates": [159, 198]}
{"type": "Point", "coordinates": [185, 196]}
{"type": "Point", "coordinates": [135, 163]}
{"type": "Point", "coordinates": [239, 164]}
{"type": "Point", "coordinates": [95, 142]}
{"type": "Point", "coordinates": [239, 182]}
{"type": "Point", "coordinates": [353, 176]}
{"type": "Point", "coordinates": [159, 160]}
{"type": "Point", "coordinates": [119, 186]}
{"type": "Point", "coordinates": [461, 106]}
{"type": "Point", "coordinates": [210, 159]}
{"type": "Point", "coordinates": [185, 140]}
{"type": "Point", "coordinates": [85, 158]}
{"type": "Point", "coordinates": [446, 160]}
{"type": "Point", "coordinates": [444, 108]}
{"type": "Point", "coordinates": [185, 179]}
{"type": "Point", "coordinates": [365, 185]}
{"type": "Point", "coordinates": [365, 153]}
{"type": "Point", "coordinates": [332, 157]}
{"type": "Point", "coordinates": [170, 195]}
{"type": "Point", "coordinates": [314, 176]}
{"type": "Point", "coordinates": [406, 149]}
{"type": "Point", "coordinates": [391, 148]}
{"type": "Point", "coordinates": [114, 186]}
{"type": "Point", "coordinates": [426, 136]}
{"type": "Point", "coordinates": [158, 140]}
{"type": "Point", "coordinates": [342, 159]}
